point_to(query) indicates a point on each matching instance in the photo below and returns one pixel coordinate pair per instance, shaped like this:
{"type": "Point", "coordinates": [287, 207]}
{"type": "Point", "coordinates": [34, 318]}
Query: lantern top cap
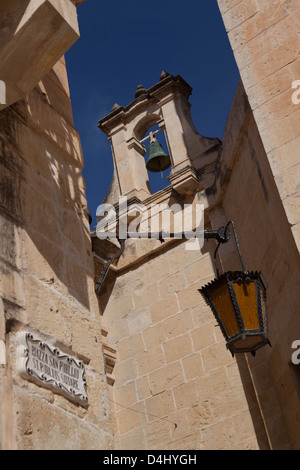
{"type": "Point", "coordinates": [235, 276]}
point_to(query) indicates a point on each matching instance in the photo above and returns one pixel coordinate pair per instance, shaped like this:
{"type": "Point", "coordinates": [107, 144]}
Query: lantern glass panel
{"type": "Point", "coordinates": [221, 300]}
{"type": "Point", "coordinates": [245, 292]}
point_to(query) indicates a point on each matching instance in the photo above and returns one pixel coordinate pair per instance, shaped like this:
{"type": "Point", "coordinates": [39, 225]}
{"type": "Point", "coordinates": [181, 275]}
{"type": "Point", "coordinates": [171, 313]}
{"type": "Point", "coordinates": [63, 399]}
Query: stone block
{"type": "Point", "coordinates": [43, 259]}
{"type": "Point", "coordinates": [225, 5]}
{"type": "Point", "coordinates": [154, 335]}
{"type": "Point", "coordinates": [278, 107]}
{"type": "Point", "coordinates": [203, 337]}
{"type": "Point", "coordinates": [229, 403]}
{"type": "Point", "coordinates": [119, 309]}
{"type": "Point", "coordinates": [138, 320]}
{"type": "Point", "coordinates": [192, 442]}
{"type": "Point", "coordinates": [124, 396]}
{"type": "Point", "coordinates": [117, 330]}
{"type": "Point", "coordinates": [163, 308]}
{"type": "Point", "coordinates": [10, 249]}
{"type": "Point", "coordinates": [201, 314]}
{"type": "Point", "coordinates": [100, 405]}
{"type": "Point", "coordinates": [166, 378]}
{"type": "Point", "coordinates": [158, 434]}
{"type": "Point", "coordinates": [199, 415]}
{"type": "Point", "coordinates": [179, 257]}
{"type": "Point", "coordinates": [172, 284]}
{"type": "Point", "coordinates": [131, 418]}
{"type": "Point", "coordinates": [179, 426]}
{"type": "Point", "coordinates": [10, 192]}
{"type": "Point", "coordinates": [43, 217]}
{"type": "Point", "coordinates": [261, 92]}
{"type": "Point", "coordinates": [190, 296]}
{"type": "Point", "coordinates": [291, 206]}
{"type": "Point", "coordinates": [178, 324]}
{"type": "Point", "coordinates": [132, 440]}
{"type": "Point", "coordinates": [159, 406]}
{"type": "Point", "coordinates": [265, 18]}
{"type": "Point", "coordinates": [236, 16]}
{"type": "Point", "coordinates": [255, 48]}
{"type": "Point", "coordinates": [34, 37]}
{"type": "Point", "coordinates": [130, 346]}
{"type": "Point", "coordinates": [220, 436]}
{"type": "Point", "coordinates": [60, 133]}
{"type": "Point", "coordinates": [52, 428]}
{"type": "Point", "coordinates": [143, 388]}
{"type": "Point", "coordinates": [148, 361]}
{"type": "Point", "coordinates": [192, 366]}
{"type": "Point", "coordinates": [276, 133]}
{"type": "Point", "coordinates": [124, 370]}
{"type": "Point", "coordinates": [268, 64]}
{"type": "Point", "coordinates": [146, 296]}
{"type": "Point", "coordinates": [284, 157]}
{"type": "Point", "coordinates": [177, 348]}
{"type": "Point", "coordinates": [201, 269]}
{"type": "Point", "coordinates": [215, 356]}
{"type": "Point", "coordinates": [185, 394]}
{"type": "Point", "coordinates": [296, 233]}
{"type": "Point", "coordinates": [11, 285]}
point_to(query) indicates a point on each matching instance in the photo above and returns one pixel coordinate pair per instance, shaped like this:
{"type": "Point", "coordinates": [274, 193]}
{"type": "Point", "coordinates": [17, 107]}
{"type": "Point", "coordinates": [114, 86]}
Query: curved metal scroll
{"type": "Point", "coordinates": [106, 267]}
{"type": "Point", "coordinates": [237, 245]}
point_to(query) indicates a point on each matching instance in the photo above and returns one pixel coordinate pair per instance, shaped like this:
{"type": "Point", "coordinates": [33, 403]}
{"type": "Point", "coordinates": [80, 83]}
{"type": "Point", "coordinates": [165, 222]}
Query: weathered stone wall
{"type": "Point", "coordinates": [171, 382]}
{"type": "Point", "coordinates": [47, 284]}
{"type": "Point", "coordinates": [247, 193]}
{"type": "Point", "coordinates": [176, 386]}
{"type": "Point", "coordinates": [264, 36]}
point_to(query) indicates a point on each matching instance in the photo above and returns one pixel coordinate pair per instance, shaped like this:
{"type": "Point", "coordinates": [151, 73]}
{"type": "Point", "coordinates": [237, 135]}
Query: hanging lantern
{"type": "Point", "coordinates": [238, 302]}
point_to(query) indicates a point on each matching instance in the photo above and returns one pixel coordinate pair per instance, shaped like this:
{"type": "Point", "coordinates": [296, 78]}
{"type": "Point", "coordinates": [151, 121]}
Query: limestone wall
{"type": "Point", "coordinates": [247, 193]}
{"type": "Point", "coordinates": [47, 285]}
{"type": "Point", "coordinates": [264, 36]}
{"type": "Point", "coordinates": [176, 386]}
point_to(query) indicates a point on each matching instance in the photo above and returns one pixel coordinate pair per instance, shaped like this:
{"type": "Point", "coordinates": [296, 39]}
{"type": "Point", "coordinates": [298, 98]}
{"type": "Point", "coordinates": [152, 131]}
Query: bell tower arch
{"type": "Point", "coordinates": [166, 105]}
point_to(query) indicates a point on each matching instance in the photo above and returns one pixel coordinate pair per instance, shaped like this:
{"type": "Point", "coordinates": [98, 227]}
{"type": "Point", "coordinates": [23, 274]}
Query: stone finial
{"type": "Point", "coordinates": [140, 91]}
{"type": "Point", "coordinates": [164, 75]}
{"type": "Point", "coordinates": [115, 106]}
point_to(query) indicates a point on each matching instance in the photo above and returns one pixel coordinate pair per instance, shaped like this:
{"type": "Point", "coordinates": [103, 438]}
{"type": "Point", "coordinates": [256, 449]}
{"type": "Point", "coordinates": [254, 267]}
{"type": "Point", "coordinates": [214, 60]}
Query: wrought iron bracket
{"type": "Point", "coordinates": [221, 235]}
{"type": "Point", "coordinates": [107, 265]}
{"type": "Point", "coordinates": [224, 239]}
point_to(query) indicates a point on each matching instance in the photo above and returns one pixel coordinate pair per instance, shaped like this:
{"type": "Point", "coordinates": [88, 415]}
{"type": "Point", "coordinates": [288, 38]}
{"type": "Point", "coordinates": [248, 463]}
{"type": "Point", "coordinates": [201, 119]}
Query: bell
{"type": "Point", "coordinates": [158, 160]}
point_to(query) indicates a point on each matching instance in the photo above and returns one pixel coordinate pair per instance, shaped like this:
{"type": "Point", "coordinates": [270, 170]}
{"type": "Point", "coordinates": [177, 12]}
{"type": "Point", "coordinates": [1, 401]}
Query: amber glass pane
{"type": "Point", "coordinates": [246, 297]}
{"type": "Point", "coordinates": [222, 302]}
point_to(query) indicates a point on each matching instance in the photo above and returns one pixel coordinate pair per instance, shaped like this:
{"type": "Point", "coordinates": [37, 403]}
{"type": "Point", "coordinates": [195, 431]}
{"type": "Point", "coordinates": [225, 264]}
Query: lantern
{"type": "Point", "coordinates": [238, 302]}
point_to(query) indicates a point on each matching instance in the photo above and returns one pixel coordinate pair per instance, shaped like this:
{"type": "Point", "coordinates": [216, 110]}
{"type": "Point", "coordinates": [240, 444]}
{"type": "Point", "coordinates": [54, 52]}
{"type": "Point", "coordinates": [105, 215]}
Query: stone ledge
{"type": "Point", "coordinates": [32, 45]}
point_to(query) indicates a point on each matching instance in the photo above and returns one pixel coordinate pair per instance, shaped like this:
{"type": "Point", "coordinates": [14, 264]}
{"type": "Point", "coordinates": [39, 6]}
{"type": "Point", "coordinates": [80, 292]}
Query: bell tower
{"type": "Point", "coordinates": [165, 105]}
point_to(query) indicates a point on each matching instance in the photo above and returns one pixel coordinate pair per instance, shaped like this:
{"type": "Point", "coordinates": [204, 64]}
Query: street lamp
{"type": "Point", "coordinates": [238, 302]}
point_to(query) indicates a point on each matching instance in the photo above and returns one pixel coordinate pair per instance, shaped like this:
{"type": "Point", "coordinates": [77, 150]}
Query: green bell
{"type": "Point", "coordinates": [158, 160]}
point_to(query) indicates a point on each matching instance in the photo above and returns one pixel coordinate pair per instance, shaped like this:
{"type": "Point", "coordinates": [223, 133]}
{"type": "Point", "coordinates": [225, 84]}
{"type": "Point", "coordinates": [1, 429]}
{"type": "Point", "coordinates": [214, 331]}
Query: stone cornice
{"type": "Point", "coordinates": [168, 84]}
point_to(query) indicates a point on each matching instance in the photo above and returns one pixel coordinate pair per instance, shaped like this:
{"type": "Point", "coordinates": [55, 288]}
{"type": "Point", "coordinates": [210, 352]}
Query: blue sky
{"type": "Point", "coordinates": [127, 43]}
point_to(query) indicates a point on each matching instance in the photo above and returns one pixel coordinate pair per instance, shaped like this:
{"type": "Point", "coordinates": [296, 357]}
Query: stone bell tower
{"type": "Point", "coordinates": [166, 105]}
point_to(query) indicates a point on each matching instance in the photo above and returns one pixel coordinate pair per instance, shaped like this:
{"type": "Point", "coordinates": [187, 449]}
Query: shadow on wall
{"type": "Point", "coordinates": [41, 168]}
{"type": "Point", "coordinates": [14, 11]}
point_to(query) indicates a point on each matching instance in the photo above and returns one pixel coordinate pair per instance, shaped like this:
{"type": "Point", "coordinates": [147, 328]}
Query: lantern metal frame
{"type": "Point", "coordinates": [228, 278]}
{"type": "Point", "coordinates": [236, 276]}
